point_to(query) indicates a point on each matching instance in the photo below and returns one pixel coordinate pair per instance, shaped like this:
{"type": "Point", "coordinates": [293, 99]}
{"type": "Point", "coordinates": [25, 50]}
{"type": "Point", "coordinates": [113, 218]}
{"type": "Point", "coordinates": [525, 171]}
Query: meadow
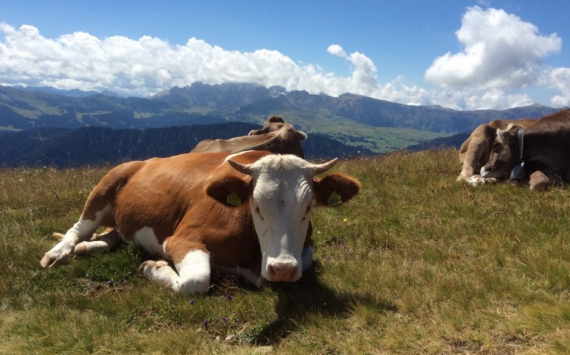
{"type": "Point", "coordinates": [415, 264]}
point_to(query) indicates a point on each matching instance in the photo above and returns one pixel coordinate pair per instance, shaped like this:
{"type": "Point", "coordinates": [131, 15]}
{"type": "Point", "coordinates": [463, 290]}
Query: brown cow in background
{"type": "Point", "coordinates": [538, 152]}
{"type": "Point", "coordinates": [475, 151]}
{"type": "Point", "coordinates": [276, 136]}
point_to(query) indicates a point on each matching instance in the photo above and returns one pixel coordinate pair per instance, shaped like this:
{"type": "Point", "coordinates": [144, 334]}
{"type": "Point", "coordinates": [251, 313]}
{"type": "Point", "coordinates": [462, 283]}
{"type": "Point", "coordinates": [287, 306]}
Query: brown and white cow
{"type": "Point", "coordinates": [475, 151]}
{"type": "Point", "coordinates": [246, 213]}
{"type": "Point", "coordinates": [276, 136]}
{"type": "Point", "coordinates": [542, 148]}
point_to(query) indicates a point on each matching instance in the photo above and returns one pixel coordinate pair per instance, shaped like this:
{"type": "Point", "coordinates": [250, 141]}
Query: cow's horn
{"type": "Point", "coordinates": [242, 168]}
{"type": "Point", "coordinates": [321, 168]}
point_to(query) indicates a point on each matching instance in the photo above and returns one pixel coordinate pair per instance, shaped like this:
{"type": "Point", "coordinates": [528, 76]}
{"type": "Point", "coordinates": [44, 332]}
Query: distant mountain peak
{"type": "Point", "coordinates": [68, 93]}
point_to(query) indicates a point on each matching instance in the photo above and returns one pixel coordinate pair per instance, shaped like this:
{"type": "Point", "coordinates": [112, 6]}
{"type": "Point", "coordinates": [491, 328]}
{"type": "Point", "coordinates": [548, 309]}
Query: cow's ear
{"type": "Point", "coordinates": [301, 136]}
{"type": "Point", "coordinates": [334, 189]}
{"type": "Point", "coordinates": [275, 119]}
{"type": "Point", "coordinates": [230, 191]}
{"type": "Point", "coordinates": [509, 134]}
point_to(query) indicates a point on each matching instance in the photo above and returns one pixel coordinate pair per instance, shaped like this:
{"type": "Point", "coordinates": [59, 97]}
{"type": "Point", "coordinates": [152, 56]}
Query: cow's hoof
{"type": "Point", "coordinates": [477, 180]}
{"type": "Point", "coordinates": [57, 255]}
{"type": "Point", "coordinates": [80, 248]}
{"type": "Point", "coordinates": [149, 266]}
{"type": "Point", "coordinates": [159, 272]}
{"type": "Point", "coordinates": [47, 261]}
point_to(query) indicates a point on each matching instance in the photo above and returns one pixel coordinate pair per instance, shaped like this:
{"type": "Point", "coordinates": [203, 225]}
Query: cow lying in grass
{"type": "Point", "coordinates": [475, 151]}
{"type": "Point", "coordinates": [276, 136]}
{"type": "Point", "coordinates": [538, 152]}
{"type": "Point", "coordinates": [246, 213]}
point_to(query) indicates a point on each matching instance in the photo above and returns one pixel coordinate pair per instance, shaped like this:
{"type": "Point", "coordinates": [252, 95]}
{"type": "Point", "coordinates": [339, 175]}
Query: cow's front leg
{"type": "Point", "coordinates": [465, 175]}
{"type": "Point", "coordinates": [538, 181]}
{"type": "Point", "coordinates": [194, 272]}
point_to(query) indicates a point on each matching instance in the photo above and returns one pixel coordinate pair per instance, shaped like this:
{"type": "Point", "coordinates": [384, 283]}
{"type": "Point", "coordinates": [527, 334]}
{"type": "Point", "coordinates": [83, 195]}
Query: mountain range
{"type": "Point", "coordinates": [363, 123]}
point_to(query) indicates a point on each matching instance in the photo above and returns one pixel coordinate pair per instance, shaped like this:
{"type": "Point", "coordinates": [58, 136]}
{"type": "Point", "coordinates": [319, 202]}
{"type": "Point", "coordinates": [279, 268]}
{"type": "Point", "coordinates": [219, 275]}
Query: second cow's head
{"type": "Point", "coordinates": [281, 191]}
{"type": "Point", "coordinates": [505, 153]}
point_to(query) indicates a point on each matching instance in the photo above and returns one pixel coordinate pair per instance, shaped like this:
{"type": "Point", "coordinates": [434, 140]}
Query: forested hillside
{"type": "Point", "coordinates": [97, 145]}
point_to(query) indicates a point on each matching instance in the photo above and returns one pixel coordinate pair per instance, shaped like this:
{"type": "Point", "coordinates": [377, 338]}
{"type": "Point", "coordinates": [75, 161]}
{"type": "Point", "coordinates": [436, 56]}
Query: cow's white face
{"type": "Point", "coordinates": [282, 204]}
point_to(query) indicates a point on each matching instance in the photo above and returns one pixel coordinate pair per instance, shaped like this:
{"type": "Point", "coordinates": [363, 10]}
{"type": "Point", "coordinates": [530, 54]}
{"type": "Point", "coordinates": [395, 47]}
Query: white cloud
{"type": "Point", "coordinates": [559, 78]}
{"type": "Point", "coordinates": [500, 50]}
{"type": "Point", "coordinates": [471, 99]}
{"type": "Point", "coordinates": [476, 78]}
{"type": "Point", "coordinates": [147, 65]}
{"type": "Point", "coordinates": [502, 54]}
{"type": "Point", "coordinates": [496, 98]}
{"type": "Point", "coordinates": [336, 50]}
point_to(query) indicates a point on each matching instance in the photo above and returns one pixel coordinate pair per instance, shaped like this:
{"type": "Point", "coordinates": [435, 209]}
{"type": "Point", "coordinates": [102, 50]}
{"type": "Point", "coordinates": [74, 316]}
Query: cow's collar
{"type": "Point", "coordinates": [518, 172]}
{"type": "Point", "coordinates": [520, 139]}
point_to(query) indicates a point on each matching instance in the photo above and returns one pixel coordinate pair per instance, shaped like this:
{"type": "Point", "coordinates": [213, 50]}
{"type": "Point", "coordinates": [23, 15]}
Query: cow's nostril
{"type": "Point", "coordinates": [272, 271]}
{"type": "Point", "coordinates": [285, 272]}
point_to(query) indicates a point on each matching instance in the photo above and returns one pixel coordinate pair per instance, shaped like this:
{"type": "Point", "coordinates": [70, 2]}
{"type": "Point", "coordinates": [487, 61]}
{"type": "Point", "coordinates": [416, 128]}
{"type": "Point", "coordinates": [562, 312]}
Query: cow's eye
{"type": "Point", "coordinates": [307, 211]}
{"type": "Point", "coordinates": [496, 147]}
{"type": "Point", "coordinates": [258, 211]}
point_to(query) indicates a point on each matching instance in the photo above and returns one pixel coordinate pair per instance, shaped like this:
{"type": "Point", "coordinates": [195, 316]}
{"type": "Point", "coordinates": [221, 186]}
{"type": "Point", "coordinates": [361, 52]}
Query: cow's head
{"type": "Point", "coordinates": [284, 189]}
{"type": "Point", "coordinates": [505, 153]}
{"type": "Point", "coordinates": [275, 123]}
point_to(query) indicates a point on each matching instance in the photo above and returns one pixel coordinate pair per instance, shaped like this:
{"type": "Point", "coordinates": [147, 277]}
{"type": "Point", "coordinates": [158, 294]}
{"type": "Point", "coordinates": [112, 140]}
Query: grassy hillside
{"type": "Point", "coordinates": [377, 139]}
{"type": "Point", "coordinates": [416, 264]}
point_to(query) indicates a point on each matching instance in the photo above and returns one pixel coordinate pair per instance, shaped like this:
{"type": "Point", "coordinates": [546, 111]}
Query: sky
{"type": "Point", "coordinates": [465, 55]}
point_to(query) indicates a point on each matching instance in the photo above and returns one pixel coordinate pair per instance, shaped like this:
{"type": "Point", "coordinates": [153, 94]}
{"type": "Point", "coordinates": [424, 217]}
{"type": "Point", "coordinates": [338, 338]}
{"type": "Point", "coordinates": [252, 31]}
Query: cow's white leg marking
{"type": "Point", "coordinates": [307, 258]}
{"type": "Point", "coordinates": [193, 273]}
{"type": "Point", "coordinates": [81, 231]}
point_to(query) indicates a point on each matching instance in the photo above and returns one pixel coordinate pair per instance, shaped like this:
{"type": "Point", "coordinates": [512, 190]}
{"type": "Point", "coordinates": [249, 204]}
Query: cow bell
{"type": "Point", "coordinates": [518, 172]}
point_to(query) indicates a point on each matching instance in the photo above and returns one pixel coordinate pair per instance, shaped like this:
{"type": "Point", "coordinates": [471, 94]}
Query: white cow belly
{"type": "Point", "coordinates": [146, 238]}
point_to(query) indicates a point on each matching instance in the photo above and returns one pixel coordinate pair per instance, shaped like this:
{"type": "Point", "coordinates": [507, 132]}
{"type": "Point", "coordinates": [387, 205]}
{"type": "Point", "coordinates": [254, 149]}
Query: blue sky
{"type": "Point", "coordinates": [458, 54]}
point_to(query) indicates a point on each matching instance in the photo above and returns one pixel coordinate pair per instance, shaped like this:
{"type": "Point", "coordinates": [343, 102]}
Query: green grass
{"type": "Point", "coordinates": [415, 264]}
